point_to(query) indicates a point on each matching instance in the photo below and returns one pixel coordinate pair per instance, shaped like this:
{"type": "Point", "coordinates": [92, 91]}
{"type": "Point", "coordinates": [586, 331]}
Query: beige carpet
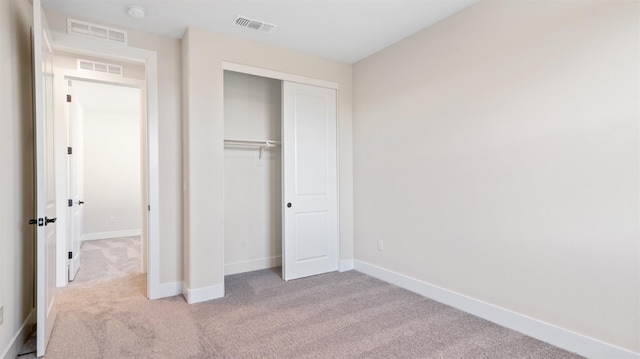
{"type": "Point", "coordinates": [108, 258]}
{"type": "Point", "coordinates": [336, 315]}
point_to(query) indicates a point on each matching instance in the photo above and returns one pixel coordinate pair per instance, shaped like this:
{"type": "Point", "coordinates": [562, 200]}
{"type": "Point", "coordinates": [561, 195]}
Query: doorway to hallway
{"type": "Point", "coordinates": [104, 127]}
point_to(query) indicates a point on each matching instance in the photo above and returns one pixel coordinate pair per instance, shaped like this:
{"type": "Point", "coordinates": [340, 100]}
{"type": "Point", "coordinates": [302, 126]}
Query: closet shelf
{"type": "Point", "coordinates": [261, 144]}
{"type": "Point", "coordinates": [254, 143]}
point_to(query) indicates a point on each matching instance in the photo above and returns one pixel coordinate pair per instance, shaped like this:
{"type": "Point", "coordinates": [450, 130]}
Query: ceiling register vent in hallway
{"type": "Point", "coordinates": [253, 24]}
{"type": "Point", "coordinates": [96, 31]}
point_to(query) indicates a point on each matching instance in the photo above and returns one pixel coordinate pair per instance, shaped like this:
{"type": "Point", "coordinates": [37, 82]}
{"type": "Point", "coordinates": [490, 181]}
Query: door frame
{"type": "Point", "coordinates": [62, 191]}
{"type": "Point", "coordinates": [97, 48]}
{"type": "Point", "coordinates": [283, 76]}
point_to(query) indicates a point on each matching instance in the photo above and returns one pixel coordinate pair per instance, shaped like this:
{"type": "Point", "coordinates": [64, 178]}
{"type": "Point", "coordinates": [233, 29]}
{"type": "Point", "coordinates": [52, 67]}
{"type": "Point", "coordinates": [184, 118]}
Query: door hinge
{"type": "Point", "coordinates": [149, 208]}
{"type": "Point", "coordinates": [68, 98]}
{"type": "Point", "coordinates": [40, 222]}
{"type": "Point", "coordinates": [70, 255]}
{"type": "Point", "coordinates": [70, 202]}
{"type": "Point", "coordinates": [69, 150]}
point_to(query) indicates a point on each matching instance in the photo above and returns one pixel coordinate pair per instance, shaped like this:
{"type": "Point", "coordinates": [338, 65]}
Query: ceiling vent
{"type": "Point", "coordinates": [96, 31]}
{"type": "Point", "coordinates": [105, 68]}
{"type": "Point", "coordinates": [253, 24]}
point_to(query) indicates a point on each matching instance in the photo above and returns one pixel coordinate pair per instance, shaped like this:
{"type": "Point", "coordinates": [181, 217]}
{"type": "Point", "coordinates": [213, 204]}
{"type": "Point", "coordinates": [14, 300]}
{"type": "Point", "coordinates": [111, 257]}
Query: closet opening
{"type": "Point", "coordinates": [280, 176]}
{"type": "Point", "coordinates": [252, 173]}
{"type": "Point", "coordinates": [105, 171]}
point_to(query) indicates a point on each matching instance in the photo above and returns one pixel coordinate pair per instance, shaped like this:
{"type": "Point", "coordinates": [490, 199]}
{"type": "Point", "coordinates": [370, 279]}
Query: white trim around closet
{"type": "Point", "coordinates": [250, 70]}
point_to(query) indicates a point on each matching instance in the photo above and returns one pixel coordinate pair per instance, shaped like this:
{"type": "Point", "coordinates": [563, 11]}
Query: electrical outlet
{"type": "Point", "coordinates": [380, 246]}
{"type": "Point", "coordinates": [112, 219]}
{"type": "Point", "coordinates": [1, 314]}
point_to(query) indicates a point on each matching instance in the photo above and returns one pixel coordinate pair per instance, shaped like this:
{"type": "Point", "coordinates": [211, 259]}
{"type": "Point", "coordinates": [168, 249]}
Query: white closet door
{"type": "Point", "coordinates": [310, 208]}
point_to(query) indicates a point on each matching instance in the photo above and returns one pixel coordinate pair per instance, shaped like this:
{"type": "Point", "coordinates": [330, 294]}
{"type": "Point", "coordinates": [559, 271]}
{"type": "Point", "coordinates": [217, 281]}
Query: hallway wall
{"type": "Point", "coordinates": [112, 181]}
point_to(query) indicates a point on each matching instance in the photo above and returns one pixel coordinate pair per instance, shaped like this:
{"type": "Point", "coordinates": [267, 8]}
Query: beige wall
{"type": "Point", "coordinates": [203, 54]}
{"type": "Point", "coordinates": [496, 154]}
{"type": "Point", "coordinates": [17, 198]}
{"type": "Point", "coordinates": [170, 139]}
{"type": "Point", "coordinates": [111, 172]}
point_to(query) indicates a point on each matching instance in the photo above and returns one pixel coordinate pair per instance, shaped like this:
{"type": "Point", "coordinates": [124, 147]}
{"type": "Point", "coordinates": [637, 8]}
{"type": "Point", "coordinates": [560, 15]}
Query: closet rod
{"type": "Point", "coordinates": [262, 145]}
{"type": "Point", "coordinates": [256, 143]}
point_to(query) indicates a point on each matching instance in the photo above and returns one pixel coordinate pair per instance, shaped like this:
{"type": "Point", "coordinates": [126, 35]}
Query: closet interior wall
{"type": "Point", "coordinates": [252, 182]}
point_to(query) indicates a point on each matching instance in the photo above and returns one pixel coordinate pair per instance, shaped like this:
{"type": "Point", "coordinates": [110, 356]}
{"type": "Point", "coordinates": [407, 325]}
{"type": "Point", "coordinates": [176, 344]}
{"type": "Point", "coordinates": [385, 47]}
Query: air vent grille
{"type": "Point", "coordinates": [254, 24]}
{"type": "Point", "coordinates": [102, 67]}
{"type": "Point", "coordinates": [96, 31]}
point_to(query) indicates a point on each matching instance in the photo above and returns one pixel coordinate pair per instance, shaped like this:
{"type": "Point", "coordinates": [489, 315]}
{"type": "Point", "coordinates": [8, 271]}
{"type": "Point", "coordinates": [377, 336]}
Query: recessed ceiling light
{"type": "Point", "coordinates": [136, 11]}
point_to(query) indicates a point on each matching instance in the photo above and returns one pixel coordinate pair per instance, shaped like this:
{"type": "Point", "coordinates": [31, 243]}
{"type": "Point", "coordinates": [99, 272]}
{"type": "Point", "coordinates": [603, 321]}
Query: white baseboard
{"type": "Point", "coordinates": [165, 290]}
{"type": "Point", "coordinates": [198, 295]}
{"type": "Point", "coordinates": [345, 265]}
{"type": "Point", "coordinates": [16, 343]}
{"type": "Point", "coordinates": [255, 264]}
{"type": "Point", "coordinates": [560, 337]}
{"type": "Point", "coordinates": [113, 234]}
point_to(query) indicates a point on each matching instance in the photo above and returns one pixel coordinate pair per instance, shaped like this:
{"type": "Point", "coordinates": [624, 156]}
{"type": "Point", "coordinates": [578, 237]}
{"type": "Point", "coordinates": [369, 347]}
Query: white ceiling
{"type": "Point", "coordinates": [98, 97]}
{"type": "Point", "coordinates": [342, 30]}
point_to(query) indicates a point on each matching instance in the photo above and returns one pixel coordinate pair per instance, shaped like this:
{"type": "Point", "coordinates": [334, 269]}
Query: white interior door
{"type": "Point", "coordinates": [310, 208]}
{"type": "Point", "coordinates": [75, 171]}
{"type": "Point", "coordinates": [45, 181]}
